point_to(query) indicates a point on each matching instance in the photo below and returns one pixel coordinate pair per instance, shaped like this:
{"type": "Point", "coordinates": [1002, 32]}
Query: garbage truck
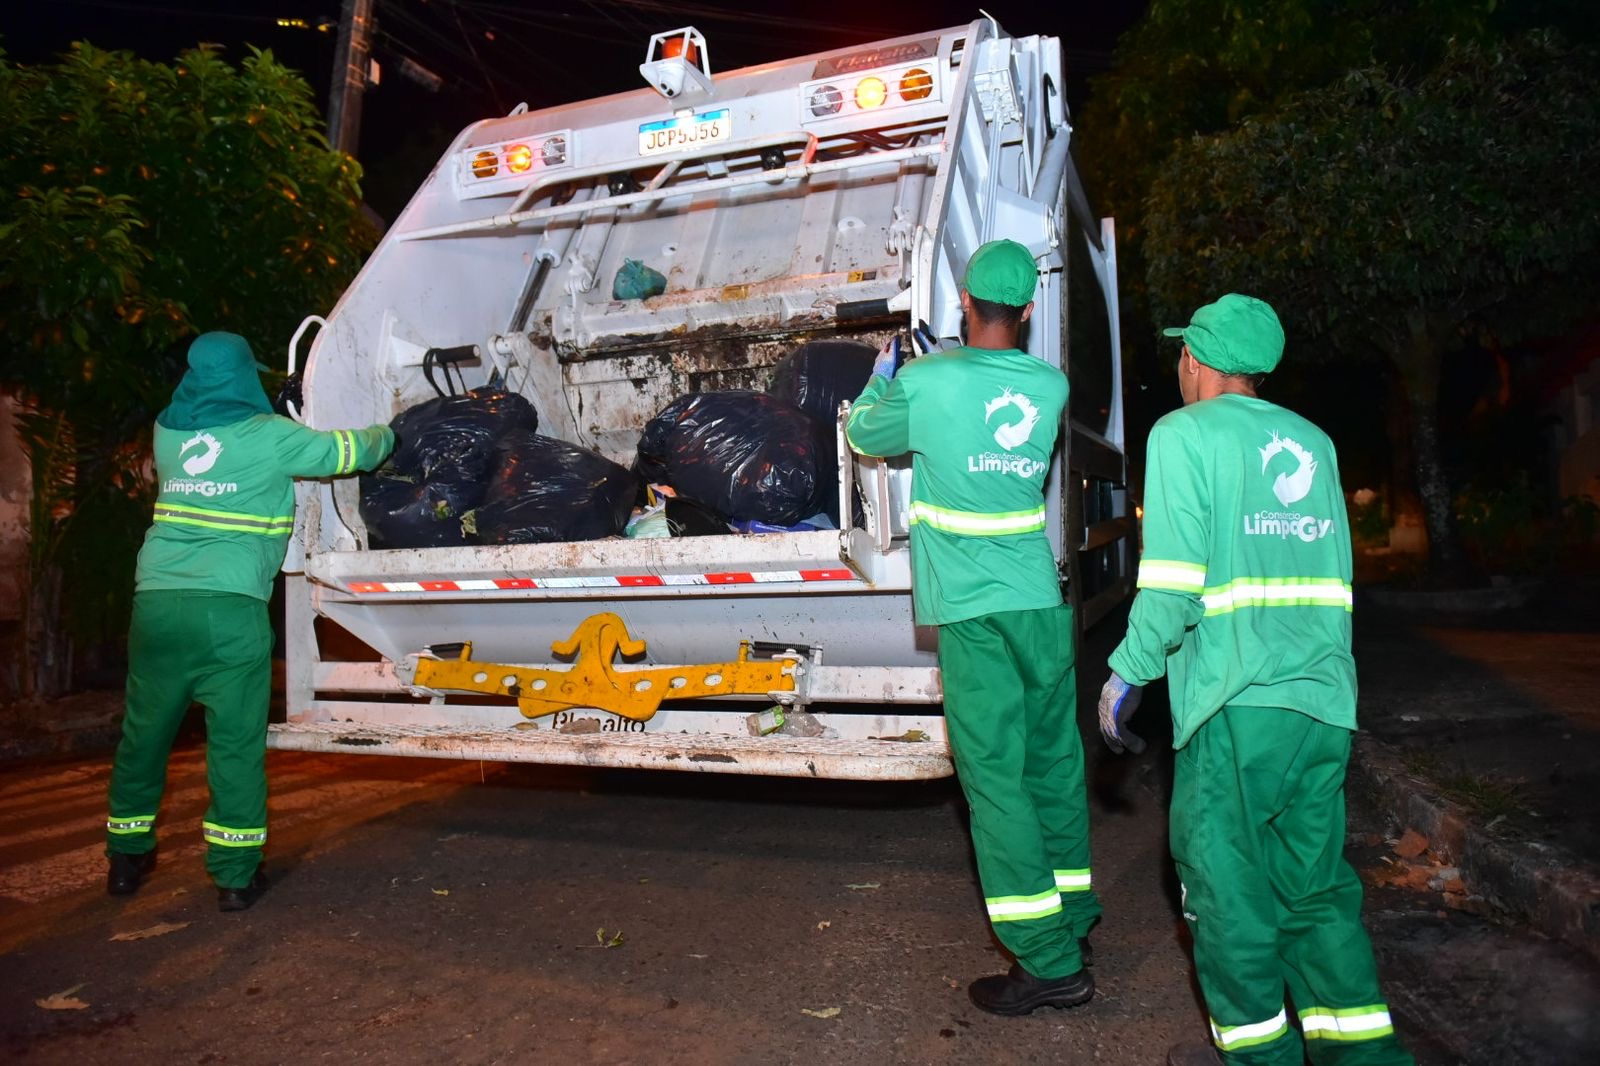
{"type": "Point", "coordinates": [829, 196]}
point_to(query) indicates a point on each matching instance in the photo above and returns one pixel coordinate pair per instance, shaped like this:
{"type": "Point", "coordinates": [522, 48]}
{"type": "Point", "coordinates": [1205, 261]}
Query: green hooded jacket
{"type": "Point", "coordinates": [225, 467]}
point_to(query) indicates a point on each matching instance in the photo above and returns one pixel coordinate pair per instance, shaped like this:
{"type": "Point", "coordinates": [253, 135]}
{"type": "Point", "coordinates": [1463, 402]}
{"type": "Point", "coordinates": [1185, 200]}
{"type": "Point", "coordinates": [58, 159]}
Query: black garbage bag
{"type": "Point", "coordinates": [458, 431]}
{"type": "Point", "coordinates": [746, 455]}
{"type": "Point", "coordinates": [686, 518]}
{"type": "Point", "coordinates": [546, 490]}
{"type": "Point", "coordinates": [820, 375]}
{"type": "Point", "coordinates": [403, 512]}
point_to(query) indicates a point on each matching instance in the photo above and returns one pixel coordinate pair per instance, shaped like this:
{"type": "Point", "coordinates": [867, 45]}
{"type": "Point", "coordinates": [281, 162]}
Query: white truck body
{"type": "Point", "coordinates": [782, 207]}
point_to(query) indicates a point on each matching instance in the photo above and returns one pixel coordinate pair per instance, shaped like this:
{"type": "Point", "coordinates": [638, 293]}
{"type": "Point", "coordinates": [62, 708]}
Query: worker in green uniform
{"type": "Point", "coordinates": [980, 422]}
{"type": "Point", "coordinates": [225, 467]}
{"type": "Point", "coordinates": [1244, 603]}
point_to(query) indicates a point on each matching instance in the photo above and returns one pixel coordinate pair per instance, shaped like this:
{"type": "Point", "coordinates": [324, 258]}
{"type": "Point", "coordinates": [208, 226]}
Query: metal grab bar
{"type": "Point", "coordinates": [794, 171]}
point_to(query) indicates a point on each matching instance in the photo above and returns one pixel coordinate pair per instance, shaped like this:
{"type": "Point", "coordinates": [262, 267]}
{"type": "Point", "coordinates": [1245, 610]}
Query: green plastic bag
{"type": "Point", "coordinates": [635, 281]}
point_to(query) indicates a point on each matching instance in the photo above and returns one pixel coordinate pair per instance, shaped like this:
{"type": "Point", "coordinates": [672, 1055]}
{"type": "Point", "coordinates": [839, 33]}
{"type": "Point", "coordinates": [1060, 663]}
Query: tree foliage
{"type": "Point", "coordinates": [1394, 214]}
{"type": "Point", "coordinates": [1200, 66]}
{"type": "Point", "coordinates": [145, 203]}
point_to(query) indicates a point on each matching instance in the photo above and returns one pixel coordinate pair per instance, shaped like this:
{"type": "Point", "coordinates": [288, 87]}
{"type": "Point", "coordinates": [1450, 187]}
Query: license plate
{"type": "Point", "coordinates": [682, 134]}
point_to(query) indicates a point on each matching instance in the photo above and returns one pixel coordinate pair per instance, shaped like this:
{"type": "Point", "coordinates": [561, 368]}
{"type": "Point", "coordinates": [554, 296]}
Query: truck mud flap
{"type": "Point", "coordinates": [770, 756]}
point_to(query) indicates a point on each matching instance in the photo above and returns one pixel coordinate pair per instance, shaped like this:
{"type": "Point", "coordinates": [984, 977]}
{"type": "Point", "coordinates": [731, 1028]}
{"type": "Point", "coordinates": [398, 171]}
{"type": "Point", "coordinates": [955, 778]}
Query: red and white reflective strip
{"type": "Point", "coordinates": [627, 581]}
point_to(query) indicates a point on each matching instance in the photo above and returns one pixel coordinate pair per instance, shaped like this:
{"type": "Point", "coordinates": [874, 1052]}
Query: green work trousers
{"type": "Point", "coordinates": [1258, 834]}
{"type": "Point", "coordinates": [1010, 706]}
{"type": "Point", "coordinates": [213, 648]}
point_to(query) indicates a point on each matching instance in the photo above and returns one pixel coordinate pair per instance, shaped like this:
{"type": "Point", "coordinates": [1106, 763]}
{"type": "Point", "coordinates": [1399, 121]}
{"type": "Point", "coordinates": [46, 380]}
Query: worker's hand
{"type": "Point", "coordinates": [1118, 702]}
{"type": "Point", "coordinates": [888, 358]}
{"type": "Point", "coordinates": [289, 400]}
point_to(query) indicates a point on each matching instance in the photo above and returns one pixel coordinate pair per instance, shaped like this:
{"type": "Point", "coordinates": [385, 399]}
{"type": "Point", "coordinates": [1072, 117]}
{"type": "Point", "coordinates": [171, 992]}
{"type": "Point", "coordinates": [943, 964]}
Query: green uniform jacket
{"type": "Point", "coordinates": [981, 425]}
{"type": "Point", "coordinates": [226, 503]}
{"type": "Point", "coordinates": [1244, 585]}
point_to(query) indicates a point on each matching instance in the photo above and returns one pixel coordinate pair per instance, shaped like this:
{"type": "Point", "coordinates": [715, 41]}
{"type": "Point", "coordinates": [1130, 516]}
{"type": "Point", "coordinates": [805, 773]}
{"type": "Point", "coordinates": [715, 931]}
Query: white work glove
{"type": "Point", "coordinates": [888, 357]}
{"type": "Point", "coordinates": [1118, 702]}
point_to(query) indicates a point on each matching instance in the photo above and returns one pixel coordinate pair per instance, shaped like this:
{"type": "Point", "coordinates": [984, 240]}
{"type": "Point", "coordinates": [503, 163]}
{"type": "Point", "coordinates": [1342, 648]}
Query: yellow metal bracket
{"type": "Point", "coordinates": [593, 681]}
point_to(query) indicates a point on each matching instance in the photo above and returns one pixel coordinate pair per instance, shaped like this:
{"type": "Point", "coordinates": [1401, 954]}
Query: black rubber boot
{"type": "Point", "coordinates": [242, 899]}
{"type": "Point", "coordinates": [1019, 992]}
{"type": "Point", "coordinates": [128, 871]}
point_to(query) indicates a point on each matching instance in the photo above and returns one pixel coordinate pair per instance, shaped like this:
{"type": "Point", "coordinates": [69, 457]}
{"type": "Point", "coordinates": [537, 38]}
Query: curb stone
{"type": "Point", "coordinates": [1549, 889]}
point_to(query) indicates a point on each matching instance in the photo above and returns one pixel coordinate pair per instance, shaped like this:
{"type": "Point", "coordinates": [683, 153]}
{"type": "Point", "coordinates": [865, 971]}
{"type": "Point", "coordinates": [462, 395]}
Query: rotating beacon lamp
{"type": "Point", "coordinates": [677, 64]}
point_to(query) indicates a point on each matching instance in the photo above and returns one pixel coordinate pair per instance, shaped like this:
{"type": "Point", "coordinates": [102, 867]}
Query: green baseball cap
{"type": "Point", "coordinates": [1002, 272]}
{"type": "Point", "coordinates": [1236, 335]}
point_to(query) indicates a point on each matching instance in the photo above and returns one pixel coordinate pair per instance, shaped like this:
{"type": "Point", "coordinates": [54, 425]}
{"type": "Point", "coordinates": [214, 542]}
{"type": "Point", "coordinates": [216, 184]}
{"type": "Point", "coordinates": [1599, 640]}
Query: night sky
{"type": "Point", "coordinates": [493, 54]}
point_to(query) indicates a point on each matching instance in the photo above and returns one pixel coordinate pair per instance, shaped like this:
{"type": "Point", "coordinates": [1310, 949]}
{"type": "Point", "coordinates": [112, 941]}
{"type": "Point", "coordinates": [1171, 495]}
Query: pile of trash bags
{"type": "Point", "coordinates": [754, 462]}
{"type": "Point", "coordinates": [473, 469]}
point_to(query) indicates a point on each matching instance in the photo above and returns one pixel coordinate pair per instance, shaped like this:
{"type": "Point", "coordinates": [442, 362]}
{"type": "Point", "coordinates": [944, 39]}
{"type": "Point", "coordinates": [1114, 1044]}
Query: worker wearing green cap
{"type": "Point", "coordinates": [225, 469]}
{"type": "Point", "coordinates": [1244, 603]}
{"type": "Point", "coordinates": [980, 422]}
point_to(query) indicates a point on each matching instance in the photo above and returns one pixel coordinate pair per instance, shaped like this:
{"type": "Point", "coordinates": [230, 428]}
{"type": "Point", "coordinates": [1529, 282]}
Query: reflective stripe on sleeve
{"type": "Point", "coordinates": [1235, 1037]}
{"type": "Point", "coordinates": [1172, 575]}
{"type": "Point", "coordinates": [347, 450]}
{"type": "Point", "coordinates": [1346, 1023]}
{"type": "Point", "coordinates": [232, 521]}
{"type": "Point", "coordinates": [1278, 592]}
{"type": "Point", "coordinates": [1021, 908]}
{"type": "Point", "coordinates": [130, 825]}
{"type": "Point", "coordinates": [977, 523]}
{"type": "Point", "coordinates": [1072, 880]}
{"type": "Point", "coordinates": [229, 837]}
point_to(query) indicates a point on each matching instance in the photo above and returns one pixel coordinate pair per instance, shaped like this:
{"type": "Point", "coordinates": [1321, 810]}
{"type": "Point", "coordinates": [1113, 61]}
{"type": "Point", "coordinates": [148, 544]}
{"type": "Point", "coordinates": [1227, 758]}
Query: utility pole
{"type": "Point", "coordinates": [351, 57]}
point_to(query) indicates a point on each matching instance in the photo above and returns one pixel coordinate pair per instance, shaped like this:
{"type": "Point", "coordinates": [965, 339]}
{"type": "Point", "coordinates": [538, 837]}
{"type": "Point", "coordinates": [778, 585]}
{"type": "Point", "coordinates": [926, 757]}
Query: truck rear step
{"type": "Point", "coordinates": [775, 756]}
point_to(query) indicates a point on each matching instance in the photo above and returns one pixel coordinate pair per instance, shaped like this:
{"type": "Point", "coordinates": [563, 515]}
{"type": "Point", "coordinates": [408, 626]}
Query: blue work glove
{"type": "Point", "coordinates": [1118, 702]}
{"type": "Point", "coordinates": [888, 358]}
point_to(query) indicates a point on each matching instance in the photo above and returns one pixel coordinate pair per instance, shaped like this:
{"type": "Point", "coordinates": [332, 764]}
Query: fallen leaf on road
{"type": "Point", "coordinates": [62, 1000]}
{"type": "Point", "coordinates": [864, 885]}
{"type": "Point", "coordinates": [155, 930]}
{"type": "Point", "coordinates": [823, 925]}
{"type": "Point", "coordinates": [910, 736]}
{"type": "Point", "coordinates": [952, 982]}
{"type": "Point", "coordinates": [1411, 844]}
{"type": "Point", "coordinates": [825, 1012]}
{"type": "Point", "coordinates": [615, 941]}
{"type": "Point", "coordinates": [440, 891]}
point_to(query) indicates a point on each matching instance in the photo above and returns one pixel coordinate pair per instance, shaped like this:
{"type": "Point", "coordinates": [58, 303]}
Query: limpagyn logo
{"type": "Point", "coordinates": [1290, 487]}
{"type": "Point", "coordinates": [200, 462]}
{"type": "Point", "coordinates": [1013, 431]}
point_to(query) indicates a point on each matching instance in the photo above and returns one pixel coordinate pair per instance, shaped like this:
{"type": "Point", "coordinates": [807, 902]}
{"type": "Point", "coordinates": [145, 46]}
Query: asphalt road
{"type": "Point", "coordinates": [426, 912]}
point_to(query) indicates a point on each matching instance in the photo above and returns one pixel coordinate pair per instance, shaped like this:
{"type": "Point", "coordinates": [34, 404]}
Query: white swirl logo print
{"type": "Point", "coordinates": [200, 462]}
{"type": "Point", "coordinates": [1293, 487]}
{"type": "Point", "coordinates": [1012, 434]}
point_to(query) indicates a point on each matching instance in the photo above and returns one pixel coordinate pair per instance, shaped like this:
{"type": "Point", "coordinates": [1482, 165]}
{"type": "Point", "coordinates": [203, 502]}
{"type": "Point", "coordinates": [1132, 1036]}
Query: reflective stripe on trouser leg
{"type": "Point", "coordinates": [1028, 821]}
{"type": "Point", "coordinates": [131, 825]}
{"type": "Point", "coordinates": [1346, 1024]}
{"type": "Point", "coordinates": [160, 651]}
{"type": "Point", "coordinates": [224, 836]}
{"type": "Point", "coordinates": [236, 692]}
